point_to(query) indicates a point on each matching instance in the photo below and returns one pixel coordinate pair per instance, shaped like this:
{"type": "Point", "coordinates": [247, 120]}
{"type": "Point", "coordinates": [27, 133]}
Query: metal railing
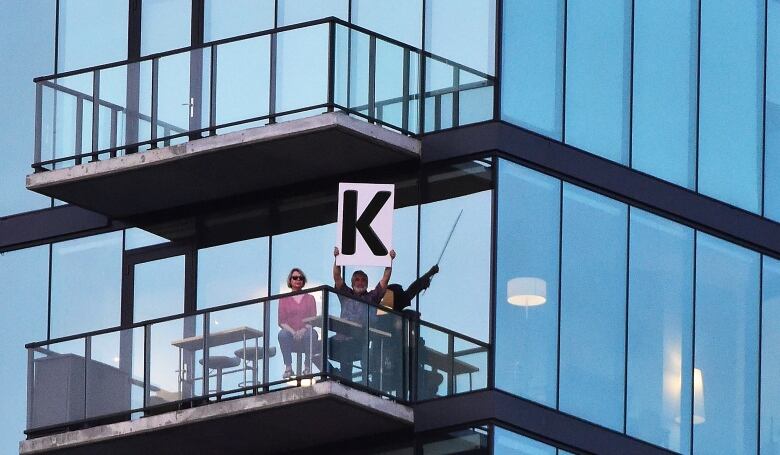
{"type": "Point", "coordinates": [237, 350]}
{"type": "Point", "coordinates": [251, 80]}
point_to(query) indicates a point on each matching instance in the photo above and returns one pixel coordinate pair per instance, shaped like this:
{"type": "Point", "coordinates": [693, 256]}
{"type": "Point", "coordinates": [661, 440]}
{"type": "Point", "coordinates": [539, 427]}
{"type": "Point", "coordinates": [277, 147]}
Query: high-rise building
{"type": "Point", "coordinates": [598, 182]}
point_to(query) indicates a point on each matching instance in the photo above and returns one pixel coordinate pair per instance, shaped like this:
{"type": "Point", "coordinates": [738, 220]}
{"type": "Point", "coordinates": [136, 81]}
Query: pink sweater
{"type": "Point", "coordinates": [293, 313]}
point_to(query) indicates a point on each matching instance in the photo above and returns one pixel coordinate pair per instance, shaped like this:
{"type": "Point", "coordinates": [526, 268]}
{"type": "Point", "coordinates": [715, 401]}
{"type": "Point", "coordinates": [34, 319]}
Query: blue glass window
{"type": "Point", "coordinates": [532, 65]}
{"type": "Point", "coordinates": [296, 11]}
{"type": "Point", "coordinates": [85, 284]}
{"type": "Point", "coordinates": [660, 325]}
{"type": "Point", "coordinates": [224, 19]}
{"type": "Point", "coordinates": [24, 291]}
{"type": "Point", "coordinates": [233, 272]}
{"type": "Point", "coordinates": [400, 19]}
{"type": "Point", "coordinates": [527, 283]}
{"type": "Point", "coordinates": [507, 442]}
{"type": "Point", "coordinates": [730, 110]}
{"type": "Point", "coordinates": [664, 97]}
{"type": "Point", "coordinates": [91, 32]}
{"type": "Point", "coordinates": [165, 25]}
{"type": "Point", "coordinates": [27, 34]}
{"type": "Point", "coordinates": [725, 381]}
{"type": "Point", "coordinates": [772, 125]}
{"type": "Point", "coordinates": [593, 312]}
{"type": "Point", "coordinates": [770, 357]}
{"type": "Point", "coordinates": [598, 62]}
{"type": "Point", "coordinates": [462, 31]}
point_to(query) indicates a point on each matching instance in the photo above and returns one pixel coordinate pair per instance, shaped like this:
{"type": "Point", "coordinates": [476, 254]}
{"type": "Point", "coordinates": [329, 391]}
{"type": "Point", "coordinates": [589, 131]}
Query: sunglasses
{"type": "Point", "coordinates": [297, 277]}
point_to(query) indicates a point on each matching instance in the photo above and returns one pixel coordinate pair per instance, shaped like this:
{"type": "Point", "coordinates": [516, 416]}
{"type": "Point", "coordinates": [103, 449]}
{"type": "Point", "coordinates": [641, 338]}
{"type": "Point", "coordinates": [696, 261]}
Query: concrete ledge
{"type": "Point", "coordinates": [125, 437]}
{"type": "Point", "coordinates": [227, 165]}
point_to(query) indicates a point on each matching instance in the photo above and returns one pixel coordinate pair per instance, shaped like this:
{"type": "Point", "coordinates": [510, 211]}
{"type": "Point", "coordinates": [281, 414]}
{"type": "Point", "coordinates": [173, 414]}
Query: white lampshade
{"type": "Point", "coordinates": [698, 397]}
{"type": "Point", "coordinates": [526, 291]}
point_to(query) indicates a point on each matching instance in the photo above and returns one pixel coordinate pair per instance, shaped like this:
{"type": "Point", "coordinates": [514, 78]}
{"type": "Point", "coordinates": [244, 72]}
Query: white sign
{"type": "Point", "coordinates": [365, 224]}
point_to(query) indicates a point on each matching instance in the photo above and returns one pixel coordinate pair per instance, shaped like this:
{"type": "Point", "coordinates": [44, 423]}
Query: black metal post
{"type": "Point", "coordinates": [405, 95]}
{"type": "Point", "coordinates": [331, 65]}
{"type": "Point", "coordinates": [155, 98]}
{"type": "Point", "coordinates": [148, 362]}
{"type": "Point", "coordinates": [95, 113]}
{"type": "Point", "coordinates": [213, 92]}
{"type": "Point", "coordinates": [371, 77]}
{"type": "Point", "coordinates": [79, 128]}
{"type": "Point", "coordinates": [38, 125]}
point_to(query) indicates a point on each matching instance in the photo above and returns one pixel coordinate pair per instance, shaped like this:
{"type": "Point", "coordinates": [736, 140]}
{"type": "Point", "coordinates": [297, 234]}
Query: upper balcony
{"type": "Point", "coordinates": [219, 372]}
{"type": "Point", "coordinates": [242, 115]}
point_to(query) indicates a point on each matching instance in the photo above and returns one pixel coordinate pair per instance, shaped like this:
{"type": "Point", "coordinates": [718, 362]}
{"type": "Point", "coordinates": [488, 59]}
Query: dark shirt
{"type": "Point", "coordinates": [356, 310]}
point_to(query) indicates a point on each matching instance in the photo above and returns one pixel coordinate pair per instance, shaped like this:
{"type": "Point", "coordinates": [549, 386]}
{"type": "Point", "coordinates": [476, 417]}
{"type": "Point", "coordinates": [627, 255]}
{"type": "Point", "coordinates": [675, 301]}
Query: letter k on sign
{"type": "Point", "coordinates": [365, 224]}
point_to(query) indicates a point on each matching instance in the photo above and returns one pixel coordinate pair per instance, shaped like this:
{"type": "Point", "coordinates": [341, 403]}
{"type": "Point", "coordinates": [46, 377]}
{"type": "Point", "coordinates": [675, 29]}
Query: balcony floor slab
{"type": "Point", "coordinates": [275, 422]}
{"type": "Point", "coordinates": [226, 165]}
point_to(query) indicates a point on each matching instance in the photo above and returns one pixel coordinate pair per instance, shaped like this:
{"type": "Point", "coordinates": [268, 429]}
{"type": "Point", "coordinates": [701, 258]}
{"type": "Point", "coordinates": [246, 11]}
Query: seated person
{"type": "Point", "coordinates": [347, 348]}
{"type": "Point", "coordinates": [296, 335]}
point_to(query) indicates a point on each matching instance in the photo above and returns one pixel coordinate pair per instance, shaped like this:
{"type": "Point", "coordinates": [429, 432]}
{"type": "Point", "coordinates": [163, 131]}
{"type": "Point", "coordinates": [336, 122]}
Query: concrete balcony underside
{"type": "Point", "coordinates": [226, 165]}
{"type": "Point", "coordinates": [290, 419]}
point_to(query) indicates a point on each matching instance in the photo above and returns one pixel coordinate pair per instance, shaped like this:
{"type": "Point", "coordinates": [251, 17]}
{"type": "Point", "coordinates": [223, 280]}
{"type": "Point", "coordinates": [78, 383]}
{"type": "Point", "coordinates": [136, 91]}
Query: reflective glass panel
{"type": "Point", "coordinates": [158, 288]}
{"type": "Point", "coordinates": [532, 65]}
{"type": "Point", "coordinates": [593, 313]}
{"type": "Point", "coordinates": [462, 31]}
{"type": "Point", "coordinates": [91, 32]}
{"type": "Point", "coordinates": [137, 238]}
{"type": "Point", "coordinates": [660, 324]}
{"type": "Point", "coordinates": [302, 68]}
{"type": "Point", "coordinates": [400, 19]}
{"type": "Point", "coordinates": [730, 110]}
{"type": "Point", "coordinates": [175, 360]}
{"type": "Point", "coordinates": [459, 296]}
{"type": "Point", "coordinates": [772, 125]}
{"type": "Point", "coordinates": [770, 358]}
{"type": "Point", "coordinates": [527, 283]}
{"type": "Point", "coordinates": [165, 25]}
{"type": "Point", "coordinates": [27, 34]}
{"type": "Point", "coordinates": [597, 118]}
{"type": "Point", "coordinates": [24, 293]}
{"type": "Point", "coordinates": [58, 384]}
{"type": "Point", "coordinates": [725, 381]}
{"type": "Point", "coordinates": [243, 79]}
{"type": "Point", "coordinates": [114, 372]}
{"type": "Point", "coordinates": [233, 272]}
{"type": "Point", "coordinates": [86, 284]}
{"type": "Point", "coordinates": [295, 11]}
{"type": "Point", "coordinates": [508, 442]}
{"type": "Point", "coordinates": [664, 96]}
{"type": "Point", "coordinates": [226, 18]}
{"type": "Point", "coordinates": [311, 250]}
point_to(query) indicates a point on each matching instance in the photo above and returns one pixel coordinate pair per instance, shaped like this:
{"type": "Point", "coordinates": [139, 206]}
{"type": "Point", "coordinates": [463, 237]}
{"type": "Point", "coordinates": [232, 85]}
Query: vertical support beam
{"type": "Point", "coordinates": [30, 382]}
{"type": "Point", "coordinates": [155, 97]}
{"type": "Point", "coordinates": [38, 125]}
{"type": "Point", "coordinates": [331, 65]}
{"type": "Point", "coordinates": [87, 359]}
{"type": "Point", "coordinates": [325, 330]}
{"type": "Point", "coordinates": [455, 96]}
{"type": "Point", "coordinates": [148, 362]}
{"type": "Point", "coordinates": [114, 127]}
{"type": "Point", "coordinates": [79, 128]}
{"type": "Point", "coordinates": [213, 92]}
{"type": "Point", "coordinates": [266, 341]}
{"type": "Point", "coordinates": [372, 77]}
{"type": "Point", "coordinates": [205, 373]}
{"type": "Point", "coordinates": [195, 101]}
{"type": "Point", "coordinates": [436, 112]}
{"type": "Point", "coordinates": [272, 81]}
{"type": "Point", "coordinates": [405, 95]}
{"type": "Point", "coordinates": [95, 113]}
{"type": "Point", "coordinates": [132, 98]}
{"type": "Point", "coordinates": [451, 354]}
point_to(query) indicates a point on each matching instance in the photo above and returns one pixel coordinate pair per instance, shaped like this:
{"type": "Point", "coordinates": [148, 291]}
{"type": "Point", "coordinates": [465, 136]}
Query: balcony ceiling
{"type": "Point", "coordinates": [226, 165]}
{"type": "Point", "coordinates": [286, 420]}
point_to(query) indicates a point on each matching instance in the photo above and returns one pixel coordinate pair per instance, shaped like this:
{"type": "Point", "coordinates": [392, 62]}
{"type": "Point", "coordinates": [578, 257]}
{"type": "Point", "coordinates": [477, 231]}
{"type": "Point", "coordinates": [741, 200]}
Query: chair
{"type": "Point", "coordinates": [220, 363]}
{"type": "Point", "coordinates": [249, 355]}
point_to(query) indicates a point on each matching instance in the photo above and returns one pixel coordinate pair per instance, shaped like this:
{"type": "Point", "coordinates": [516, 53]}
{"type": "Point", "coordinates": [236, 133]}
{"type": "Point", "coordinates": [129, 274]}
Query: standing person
{"type": "Point", "coordinates": [295, 334]}
{"type": "Point", "coordinates": [347, 348]}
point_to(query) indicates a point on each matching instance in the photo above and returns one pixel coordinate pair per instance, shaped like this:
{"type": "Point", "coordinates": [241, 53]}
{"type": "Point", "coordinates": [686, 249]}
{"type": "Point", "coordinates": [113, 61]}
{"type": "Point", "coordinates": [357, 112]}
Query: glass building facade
{"type": "Point", "coordinates": [648, 325]}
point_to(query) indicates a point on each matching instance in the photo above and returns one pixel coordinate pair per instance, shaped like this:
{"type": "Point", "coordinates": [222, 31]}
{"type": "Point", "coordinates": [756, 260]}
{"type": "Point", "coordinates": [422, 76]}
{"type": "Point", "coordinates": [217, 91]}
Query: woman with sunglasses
{"type": "Point", "coordinates": [296, 335]}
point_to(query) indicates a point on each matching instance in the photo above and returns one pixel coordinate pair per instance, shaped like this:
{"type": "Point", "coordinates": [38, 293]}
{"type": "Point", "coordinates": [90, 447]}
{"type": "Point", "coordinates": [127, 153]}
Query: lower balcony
{"type": "Point", "coordinates": [214, 381]}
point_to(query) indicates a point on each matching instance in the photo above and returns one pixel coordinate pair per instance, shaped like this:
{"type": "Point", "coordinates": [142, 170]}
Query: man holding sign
{"type": "Point", "coordinates": [365, 227]}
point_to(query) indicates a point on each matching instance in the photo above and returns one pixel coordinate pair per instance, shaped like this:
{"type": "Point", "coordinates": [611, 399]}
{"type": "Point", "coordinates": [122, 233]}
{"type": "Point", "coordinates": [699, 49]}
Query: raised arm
{"type": "Point", "coordinates": [388, 271]}
{"type": "Point", "coordinates": [338, 281]}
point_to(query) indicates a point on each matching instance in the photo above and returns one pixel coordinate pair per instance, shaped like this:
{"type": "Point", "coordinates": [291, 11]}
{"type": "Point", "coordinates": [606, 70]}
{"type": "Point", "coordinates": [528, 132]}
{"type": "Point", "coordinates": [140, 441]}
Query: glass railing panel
{"type": "Point", "coordinates": [359, 69]}
{"type": "Point", "coordinates": [72, 131]}
{"type": "Point", "coordinates": [175, 360]}
{"type": "Point", "coordinates": [243, 79]}
{"type": "Point", "coordinates": [57, 388]}
{"type": "Point", "coordinates": [295, 339]}
{"type": "Point", "coordinates": [433, 363]}
{"type": "Point", "coordinates": [470, 362]}
{"type": "Point", "coordinates": [349, 341]}
{"type": "Point", "coordinates": [235, 347]}
{"type": "Point", "coordinates": [341, 70]}
{"type": "Point", "coordinates": [388, 357]}
{"type": "Point", "coordinates": [138, 124]}
{"type": "Point", "coordinates": [302, 68]}
{"type": "Point", "coordinates": [112, 107]}
{"type": "Point", "coordinates": [175, 106]}
{"type": "Point", "coordinates": [112, 375]}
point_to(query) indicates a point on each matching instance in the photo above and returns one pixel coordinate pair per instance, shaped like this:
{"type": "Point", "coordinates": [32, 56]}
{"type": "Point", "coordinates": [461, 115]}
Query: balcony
{"type": "Point", "coordinates": [236, 116]}
{"type": "Point", "coordinates": [220, 372]}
